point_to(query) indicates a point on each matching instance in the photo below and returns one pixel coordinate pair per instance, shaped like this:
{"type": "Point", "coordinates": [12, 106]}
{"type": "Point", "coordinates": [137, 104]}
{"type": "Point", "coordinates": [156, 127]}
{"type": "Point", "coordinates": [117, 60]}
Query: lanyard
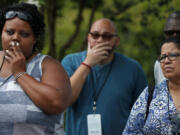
{"type": "Point", "coordinates": [96, 94]}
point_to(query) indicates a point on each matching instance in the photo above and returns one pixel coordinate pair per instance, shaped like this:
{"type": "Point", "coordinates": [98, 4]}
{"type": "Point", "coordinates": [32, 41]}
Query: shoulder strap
{"type": "Point", "coordinates": [150, 90]}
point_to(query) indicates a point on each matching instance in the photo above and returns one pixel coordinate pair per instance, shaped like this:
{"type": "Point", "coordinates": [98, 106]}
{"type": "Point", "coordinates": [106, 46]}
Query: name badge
{"type": "Point", "coordinates": [94, 124]}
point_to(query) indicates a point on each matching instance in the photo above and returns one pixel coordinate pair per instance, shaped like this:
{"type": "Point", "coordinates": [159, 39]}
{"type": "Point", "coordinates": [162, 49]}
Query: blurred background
{"type": "Point", "coordinates": [140, 26]}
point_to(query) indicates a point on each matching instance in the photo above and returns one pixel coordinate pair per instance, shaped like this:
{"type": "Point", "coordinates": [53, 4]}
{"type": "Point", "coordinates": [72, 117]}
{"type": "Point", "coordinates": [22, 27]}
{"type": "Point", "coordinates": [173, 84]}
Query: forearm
{"type": "Point", "coordinates": [49, 99]}
{"type": "Point", "coordinates": [77, 81]}
{"type": "Point", "coordinates": [94, 56]}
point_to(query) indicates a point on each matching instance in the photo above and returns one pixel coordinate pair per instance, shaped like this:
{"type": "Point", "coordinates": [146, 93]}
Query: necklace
{"type": "Point", "coordinates": [7, 77]}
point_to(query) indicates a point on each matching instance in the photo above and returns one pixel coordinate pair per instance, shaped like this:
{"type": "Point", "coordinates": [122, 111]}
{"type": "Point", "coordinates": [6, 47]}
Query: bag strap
{"type": "Point", "coordinates": [150, 90]}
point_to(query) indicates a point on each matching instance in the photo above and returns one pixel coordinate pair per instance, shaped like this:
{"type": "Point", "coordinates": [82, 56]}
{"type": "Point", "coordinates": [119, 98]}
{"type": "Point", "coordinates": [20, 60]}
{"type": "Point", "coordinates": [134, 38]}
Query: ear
{"type": "Point", "coordinates": [117, 41]}
{"type": "Point", "coordinates": [34, 43]}
{"type": "Point", "coordinates": [35, 40]}
{"type": "Point", "coordinates": [88, 41]}
{"type": "Point", "coordinates": [88, 37]}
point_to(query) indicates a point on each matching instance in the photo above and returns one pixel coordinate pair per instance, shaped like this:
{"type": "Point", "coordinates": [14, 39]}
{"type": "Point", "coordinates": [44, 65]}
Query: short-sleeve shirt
{"type": "Point", "coordinates": [124, 84]}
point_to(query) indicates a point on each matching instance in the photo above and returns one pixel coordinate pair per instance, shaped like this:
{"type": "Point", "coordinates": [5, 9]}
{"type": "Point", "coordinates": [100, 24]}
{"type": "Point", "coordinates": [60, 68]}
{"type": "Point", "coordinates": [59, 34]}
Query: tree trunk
{"type": "Point", "coordinates": [51, 20]}
{"type": "Point", "coordinates": [76, 32]}
{"type": "Point", "coordinates": [94, 8]}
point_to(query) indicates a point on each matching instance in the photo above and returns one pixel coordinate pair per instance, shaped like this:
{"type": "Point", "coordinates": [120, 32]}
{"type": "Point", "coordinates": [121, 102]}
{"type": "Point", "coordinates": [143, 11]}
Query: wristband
{"type": "Point", "coordinates": [19, 75]}
{"type": "Point", "coordinates": [87, 65]}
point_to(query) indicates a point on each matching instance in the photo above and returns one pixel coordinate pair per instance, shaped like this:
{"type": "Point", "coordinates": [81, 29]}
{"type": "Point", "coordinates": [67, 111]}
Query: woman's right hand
{"type": "Point", "coordinates": [16, 58]}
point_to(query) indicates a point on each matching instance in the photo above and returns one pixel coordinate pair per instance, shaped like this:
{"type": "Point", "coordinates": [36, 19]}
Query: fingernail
{"type": "Point", "coordinates": [7, 51]}
{"type": "Point", "coordinates": [17, 43]}
{"type": "Point", "coordinates": [12, 43]}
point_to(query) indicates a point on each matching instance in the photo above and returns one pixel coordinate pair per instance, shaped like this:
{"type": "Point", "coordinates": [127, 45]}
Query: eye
{"type": "Point", "coordinates": [25, 34]}
{"type": "Point", "coordinates": [107, 36]}
{"type": "Point", "coordinates": [95, 35]}
{"type": "Point", "coordinates": [174, 54]}
{"type": "Point", "coordinates": [10, 32]}
{"type": "Point", "coordinates": [163, 56]}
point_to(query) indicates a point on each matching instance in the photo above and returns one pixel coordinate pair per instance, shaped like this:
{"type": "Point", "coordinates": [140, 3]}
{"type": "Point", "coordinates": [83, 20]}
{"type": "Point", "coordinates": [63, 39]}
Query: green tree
{"type": "Point", "coordinates": [53, 10]}
{"type": "Point", "coordinates": [5, 3]}
{"type": "Point", "coordinates": [93, 5]}
{"type": "Point", "coordinates": [140, 24]}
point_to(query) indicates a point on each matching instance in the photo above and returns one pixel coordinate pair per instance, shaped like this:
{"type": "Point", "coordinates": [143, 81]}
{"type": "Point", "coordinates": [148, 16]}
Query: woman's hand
{"type": "Point", "coordinates": [16, 58]}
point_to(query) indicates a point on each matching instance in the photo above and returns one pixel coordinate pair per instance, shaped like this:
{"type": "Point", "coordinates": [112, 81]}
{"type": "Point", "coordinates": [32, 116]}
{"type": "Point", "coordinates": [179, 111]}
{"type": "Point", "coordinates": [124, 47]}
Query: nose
{"type": "Point", "coordinates": [166, 60]}
{"type": "Point", "coordinates": [174, 34]}
{"type": "Point", "coordinates": [16, 37]}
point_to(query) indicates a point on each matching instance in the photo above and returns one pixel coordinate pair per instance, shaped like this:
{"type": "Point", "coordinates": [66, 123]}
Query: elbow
{"type": "Point", "coordinates": [56, 108]}
{"type": "Point", "coordinates": [60, 104]}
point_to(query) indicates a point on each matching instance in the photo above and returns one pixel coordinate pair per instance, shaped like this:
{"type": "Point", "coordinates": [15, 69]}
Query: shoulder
{"type": "Point", "coordinates": [50, 61]}
{"type": "Point", "coordinates": [161, 86]}
{"type": "Point", "coordinates": [77, 55]}
{"type": "Point", "coordinates": [72, 61]}
{"type": "Point", "coordinates": [159, 91]}
{"type": "Point", "coordinates": [127, 61]}
{"type": "Point", "coordinates": [139, 106]}
{"type": "Point", "coordinates": [74, 58]}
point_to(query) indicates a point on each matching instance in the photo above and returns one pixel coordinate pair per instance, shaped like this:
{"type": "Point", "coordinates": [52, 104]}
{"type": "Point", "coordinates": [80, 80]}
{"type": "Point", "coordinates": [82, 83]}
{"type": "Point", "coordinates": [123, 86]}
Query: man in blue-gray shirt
{"type": "Point", "coordinates": [104, 84]}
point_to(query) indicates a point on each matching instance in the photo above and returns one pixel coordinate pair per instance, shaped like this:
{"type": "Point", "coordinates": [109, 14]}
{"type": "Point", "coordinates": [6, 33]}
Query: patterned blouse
{"type": "Point", "coordinates": [158, 120]}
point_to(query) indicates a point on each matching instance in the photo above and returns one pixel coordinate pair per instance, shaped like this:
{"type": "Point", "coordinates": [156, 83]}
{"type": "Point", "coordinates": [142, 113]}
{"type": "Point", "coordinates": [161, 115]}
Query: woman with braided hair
{"type": "Point", "coordinates": [34, 88]}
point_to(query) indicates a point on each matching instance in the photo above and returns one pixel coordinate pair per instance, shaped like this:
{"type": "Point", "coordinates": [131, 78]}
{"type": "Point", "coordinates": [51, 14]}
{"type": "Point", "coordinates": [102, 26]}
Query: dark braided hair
{"type": "Point", "coordinates": [36, 21]}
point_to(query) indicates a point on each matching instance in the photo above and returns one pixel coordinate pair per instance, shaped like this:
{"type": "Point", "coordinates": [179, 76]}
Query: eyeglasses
{"type": "Point", "coordinates": [105, 36]}
{"type": "Point", "coordinates": [172, 32]}
{"type": "Point", "coordinates": [21, 15]}
{"type": "Point", "coordinates": [171, 56]}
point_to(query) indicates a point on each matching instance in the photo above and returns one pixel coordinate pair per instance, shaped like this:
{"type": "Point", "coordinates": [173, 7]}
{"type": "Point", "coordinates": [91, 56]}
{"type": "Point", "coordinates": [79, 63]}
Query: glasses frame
{"type": "Point", "coordinates": [105, 36]}
{"type": "Point", "coordinates": [171, 32]}
{"type": "Point", "coordinates": [171, 57]}
{"type": "Point", "coordinates": [12, 14]}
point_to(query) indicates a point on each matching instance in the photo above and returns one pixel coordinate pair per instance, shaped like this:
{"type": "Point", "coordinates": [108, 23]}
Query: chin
{"type": "Point", "coordinates": [170, 76]}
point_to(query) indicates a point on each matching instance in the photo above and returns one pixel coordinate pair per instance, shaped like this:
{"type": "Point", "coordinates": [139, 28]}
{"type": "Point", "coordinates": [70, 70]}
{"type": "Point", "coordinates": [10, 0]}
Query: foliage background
{"type": "Point", "coordinates": [139, 22]}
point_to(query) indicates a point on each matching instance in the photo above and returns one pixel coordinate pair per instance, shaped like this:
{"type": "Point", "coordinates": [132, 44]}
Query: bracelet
{"type": "Point", "coordinates": [19, 75]}
{"type": "Point", "coordinates": [87, 65]}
